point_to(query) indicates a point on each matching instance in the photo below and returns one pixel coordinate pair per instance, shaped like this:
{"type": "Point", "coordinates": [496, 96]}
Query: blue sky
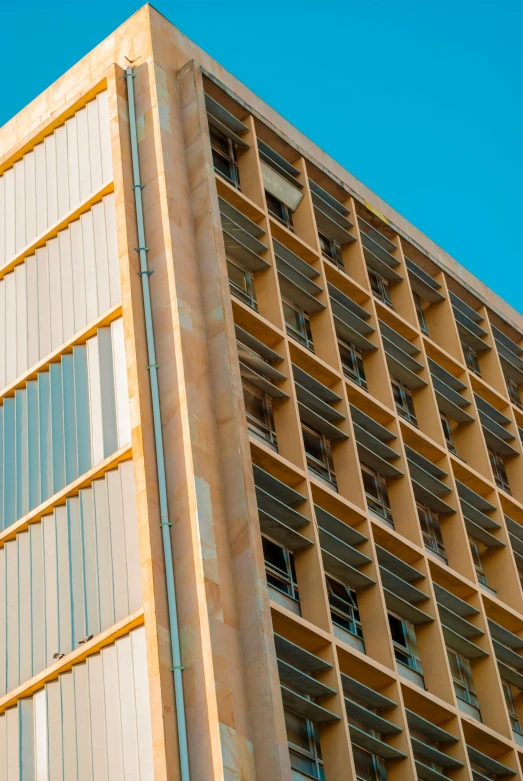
{"type": "Point", "coordinates": [421, 101]}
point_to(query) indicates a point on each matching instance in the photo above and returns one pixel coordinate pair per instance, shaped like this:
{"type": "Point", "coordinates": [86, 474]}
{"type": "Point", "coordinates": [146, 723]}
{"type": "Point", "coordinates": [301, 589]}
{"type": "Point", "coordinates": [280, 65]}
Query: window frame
{"type": "Point", "coordinates": [247, 295]}
{"type": "Point", "coordinates": [497, 464]}
{"type": "Point", "coordinates": [475, 551]}
{"type": "Point", "coordinates": [511, 707]}
{"type": "Point", "coordinates": [410, 650]}
{"type": "Point", "coordinates": [420, 312]}
{"type": "Point", "coordinates": [471, 358]}
{"type": "Point", "coordinates": [357, 374]}
{"type": "Point", "coordinates": [379, 505]}
{"type": "Point", "coordinates": [285, 215]}
{"type": "Point", "coordinates": [447, 433]}
{"type": "Point", "coordinates": [265, 431]}
{"type": "Point", "coordinates": [334, 253]}
{"type": "Point", "coordinates": [326, 470]}
{"type": "Point", "coordinates": [466, 683]}
{"type": "Point", "coordinates": [380, 773]}
{"type": "Point", "coordinates": [513, 391]}
{"type": "Point", "coordinates": [303, 336]}
{"type": "Point", "coordinates": [432, 537]}
{"type": "Point", "coordinates": [381, 289]}
{"type": "Point", "coordinates": [231, 158]}
{"type": "Point", "coordinates": [405, 404]}
{"type": "Point", "coordinates": [313, 755]}
{"type": "Point", "coordinates": [350, 614]}
{"type": "Point", "coordinates": [287, 576]}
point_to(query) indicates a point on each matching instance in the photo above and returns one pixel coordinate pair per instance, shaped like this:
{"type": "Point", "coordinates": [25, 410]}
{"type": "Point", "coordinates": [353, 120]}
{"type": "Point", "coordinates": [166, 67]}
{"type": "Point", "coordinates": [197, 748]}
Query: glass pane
{"type": "Point", "coordinates": [313, 445]}
{"type": "Point", "coordinates": [398, 631]}
{"type": "Point", "coordinates": [237, 275]}
{"type": "Point", "coordinates": [274, 555]}
{"type": "Point", "coordinates": [365, 765]}
{"type": "Point", "coordinates": [370, 483]}
{"type": "Point", "coordinates": [297, 730]}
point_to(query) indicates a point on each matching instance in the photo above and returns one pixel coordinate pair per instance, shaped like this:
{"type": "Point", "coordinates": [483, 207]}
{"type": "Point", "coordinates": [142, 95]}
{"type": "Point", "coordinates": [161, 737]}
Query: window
{"type": "Point", "coordinates": [344, 607]}
{"type": "Point", "coordinates": [304, 745]}
{"type": "Point", "coordinates": [424, 759]}
{"type": "Point", "coordinates": [279, 568]}
{"type": "Point", "coordinates": [376, 493]}
{"type": "Point", "coordinates": [369, 767]}
{"type": "Point", "coordinates": [447, 433]}
{"type": "Point", "coordinates": [352, 363]}
{"type": "Point", "coordinates": [513, 391]}
{"type": "Point", "coordinates": [508, 691]}
{"type": "Point", "coordinates": [331, 249]}
{"type": "Point", "coordinates": [258, 410]}
{"type": "Point", "coordinates": [241, 284]}
{"type": "Point", "coordinates": [418, 303]}
{"type": "Point", "coordinates": [380, 287]}
{"type": "Point", "coordinates": [298, 324]}
{"type": "Point", "coordinates": [479, 772]}
{"type": "Point", "coordinates": [279, 210]}
{"type": "Point", "coordinates": [498, 467]}
{"type": "Point", "coordinates": [224, 157]}
{"type": "Point", "coordinates": [476, 550]}
{"type": "Point", "coordinates": [404, 642]}
{"type": "Point", "coordinates": [471, 359]}
{"type": "Point", "coordinates": [462, 678]}
{"type": "Point", "coordinates": [319, 454]}
{"type": "Point", "coordinates": [430, 529]}
{"type": "Point", "coordinates": [404, 402]}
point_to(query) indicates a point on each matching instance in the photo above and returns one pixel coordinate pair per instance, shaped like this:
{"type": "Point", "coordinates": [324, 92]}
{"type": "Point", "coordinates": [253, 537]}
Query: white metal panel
{"type": "Point", "coordinates": [19, 205]}
{"type": "Point", "coordinates": [57, 427]}
{"type": "Point", "coordinates": [65, 632]}
{"type": "Point", "coordinates": [62, 173]}
{"type": "Point", "coordinates": [9, 177]}
{"type": "Point", "coordinates": [83, 722]}
{"type": "Point", "coordinates": [105, 136]}
{"type": "Point", "coordinates": [50, 177]}
{"type": "Point", "coordinates": [44, 423]}
{"type": "Point", "coordinates": [30, 197]}
{"type": "Point", "coordinates": [82, 410]}
{"type": "Point", "coordinates": [107, 391]}
{"type": "Point", "coordinates": [95, 155]}
{"type": "Point", "coordinates": [10, 328]}
{"type": "Point", "coordinates": [69, 412]}
{"type": "Point", "coordinates": [22, 490]}
{"type": "Point", "coordinates": [26, 732]}
{"type": "Point", "coordinates": [51, 589]}
{"type": "Point", "coordinates": [98, 726]}
{"type": "Point", "coordinates": [25, 576]}
{"type": "Point", "coordinates": [11, 562]}
{"type": "Point", "coordinates": [54, 732]}
{"type": "Point", "coordinates": [69, 727]}
{"type": "Point", "coordinates": [2, 331]}
{"type": "Point", "coordinates": [101, 260]}
{"type": "Point", "coordinates": [114, 493]}
{"type": "Point", "coordinates": [41, 190]}
{"type": "Point", "coordinates": [21, 319]}
{"type": "Point", "coordinates": [9, 462]}
{"type": "Point", "coordinates": [83, 153]}
{"type": "Point", "coordinates": [95, 401]}
{"type": "Point", "coordinates": [37, 598]}
{"type": "Point", "coordinates": [112, 250]}
{"type": "Point", "coordinates": [3, 748]}
{"type": "Point", "coordinates": [91, 294]}
{"type": "Point", "coordinates": [104, 555]}
{"type": "Point", "coordinates": [72, 163]}
{"type": "Point", "coordinates": [13, 744]}
{"type": "Point", "coordinates": [44, 310]}
{"type": "Point", "coordinates": [112, 714]}
{"type": "Point", "coordinates": [66, 275]}
{"type": "Point", "coordinates": [41, 736]}
{"type": "Point", "coordinates": [123, 416]}
{"type": "Point", "coordinates": [55, 290]}
{"type": "Point", "coordinates": [128, 709]}
{"type": "Point", "coordinates": [143, 705]}
{"type": "Point", "coordinates": [3, 626]}
{"type": "Point", "coordinates": [134, 581]}
{"type": "Point", "coordinates": [2, 222]}
{"type": "Point", "coordinates": [90, 563]}
{"type": "Point", "coordinates": [77, 571]}
{"type": "Point", "coordinates": [33, 445]}
{"type": "Point", "coordinates": [33, 341]}
{"type": "Point", "coordinates": [77, 256]}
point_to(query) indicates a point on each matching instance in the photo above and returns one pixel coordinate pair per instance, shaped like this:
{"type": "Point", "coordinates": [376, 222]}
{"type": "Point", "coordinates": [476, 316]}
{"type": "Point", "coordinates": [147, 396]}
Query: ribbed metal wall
{"type": "Point", "coordinates": [73, 575]}
{"type": "Point", "coordinates": [55, 177]}
{"type": "Point", "coordinates": [59, 290]}
{"type": "Point", "coordinates": [64, 422]}
{"type": "Point", "coordinates": [92, 724]}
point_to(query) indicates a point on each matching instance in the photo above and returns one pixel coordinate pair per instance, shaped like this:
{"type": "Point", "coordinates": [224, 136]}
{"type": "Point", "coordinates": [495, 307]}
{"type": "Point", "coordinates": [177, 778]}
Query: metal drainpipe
{"type": "Point", "coordinates": [165, 524]}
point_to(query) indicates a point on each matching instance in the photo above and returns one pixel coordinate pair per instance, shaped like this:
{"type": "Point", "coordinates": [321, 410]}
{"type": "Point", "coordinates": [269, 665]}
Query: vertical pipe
{"type": "Point", "coordinates": [158, 436]}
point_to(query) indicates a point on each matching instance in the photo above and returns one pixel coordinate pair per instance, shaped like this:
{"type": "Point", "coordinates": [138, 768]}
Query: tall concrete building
{"type": "Point", "coordinates": [261, 472]}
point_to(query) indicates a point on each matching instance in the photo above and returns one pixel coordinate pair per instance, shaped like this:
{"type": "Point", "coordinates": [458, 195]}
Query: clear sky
{"type": "Point", "coordinates": [422, 101]}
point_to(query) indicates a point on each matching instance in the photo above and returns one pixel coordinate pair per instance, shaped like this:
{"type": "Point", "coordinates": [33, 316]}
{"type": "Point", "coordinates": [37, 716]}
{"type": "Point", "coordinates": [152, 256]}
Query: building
{"type": "Point", "coordinates": [320, 464]}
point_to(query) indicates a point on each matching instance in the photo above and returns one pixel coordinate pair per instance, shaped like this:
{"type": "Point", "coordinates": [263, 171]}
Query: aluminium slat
{"type": "Point", "coordinates": [432, 731]}
{"type": "Point", "coordinates": [55, 290]}
{"type": "Point", "coordinates": [119, 563]}
{"type": "Point", "coordinates": [41, 189]}
{"type": "Point", "coordinates": [95, 401]}
{"type": "Point", "coordinates": [2, 223]}
{"type": "Point", "coordinates": [21, 319]}
{"type": "Point", "coordinates": [341, 549]}
{"type": "Point", "coordinates": [248, 259]}
{"type": "Point", "coordinates": [316, 189]}
{"type": "Point", "coordinates": [314, 386]}
{"type": "Point", "coordinates": [64, 571]}
{"type": "Point", "coordinates": [256, 362]}
{"type": "Point", "coordinates": [22, 455]}
{"type": "Point", "coordinates": [33, 341]}
{"type": "Point", "coordinates": [50, 179]}
{"type": "Point", "coordinates": [249, 374]}
{"type": "Point", "coordinates": [399, 371]}
{"type": "Point", "coordinates": [41, 766]}
{"type": "Point", "coordinates": [319, 423]}
{"type": "Point", "coordinates": [51, 588]}
{"type": "Point", "coordinates": [481, 534]}
{"type": "Point", "coordinates": [331, 227]}
{"type": "Point", "coordinates": [454, 603]}
{"type": "Point", "coordinates": [419, 280]}
{"type": "Point", "coordinates": [365, 694]}
{"type": "Point", "coordinates": [301, 681]}
{"type": "Point", "coordinates": [2, 330]}
{"type": "Point", "coordinates": [77, 575]}
{"type": "Point", "coordinates": [504, 635]}
{"type": "Point", "coordinates": [82, 409]}
{"type": "Point", "coordinates": [132, 548]}
{"type": "Point", "coordinates": [10, 328]}
{"type": "Point", "coordinates": [471, 339]}
{"type": "Point", "coordinates": [121, 389]}
{"type": "Point", "coordinates": [113, 717]}
{"type": "Point", "coordinates": [19, 173]}
{"type": "Point", "coordinates": [83, 154]}
{"type": "Point", "coordinates": [37, 598]}
{"type": "Point", "coordinates": [306, 708]}
{"type": "Point", "coordinates": [97, 718]}
{"type": "Point", "coordinates": [69, 413]}
{"type": "Point", "coordinates": [374, 744]}
{"type": "Point", "coordinates": [82, 722]}
{"type": "Point", "coordinates": [13, 744]}
{"type": "Point", "coordinates": [397, 565]}
{"type": "Point", "coordinates": [401, 587]}
{"type": "Point", "coordinates": [366, 227]}
{"type": "Point", "coordinates": [90, 562]}
{"type": "Point", "coordinates": [290, 258]}
{"type": "Point", "coordinates": [279, 162]}
{"type": "Point", "coordinates": [3, 746]}
{"type": "Point", "coordinates": [338, 527]}
{"type": "Point", "coordinates": [143, 710]}
{"type": "Point", "coordinates": [224, 119]}
{"type": "Point", "coordinates": [510, 675]}
{"type": "Point", "coordinates": [79, 291]}
{"type": "Point", "coordinates": [12, 615]}
{"type": "Point", "coordinates": [299, 289]}
{"type": "Point", "coordinates": [475, 515]}
{"type": "Point", "coordinates": [107, 391]}
{"type": "Point", "coordinates": [433, 754]}
{"type": "Point", "coordinates": [340, 569]}
{"type": "Point", "coordinates": [104, 555]}
{"type": "Point", "coordinates": [26, 738]}
{"type": "Point", "coordinates": [25, 577]}
{"type": "Point", "coordinates": [55, 736]}
{"type": "Point", "coordinates": [382, 268]}
{"type": "Point", "coordinates": [450, 409]}
{"type": "Point", "coordinates": [369, 457]}
{"type": "Point", "coordinates": [101, 258]}
{"type": "Point", "coordinates": [91, 292]}
{"type": "Point", "coordinates": [298, 656]}
{"type": "Point", "coordinates": [370, 719]}
{"type": "Point", "coordinates": [282, 533]}
{"type": "Point", "coordinates": [352, 336]}
{"type": "Point", "coordinates": [95, 156]}
{"type": "Point", "coordinates": [44, 426]}
{"type": "Point", "coordinates": [9, 462]}
{"type": "Point", "coordinates": [102, 100]}
{"type": "Point", "coordinates": [426, 496]}
{"type": "Point", "coordinates": [128, 709]}
{"type": "Point", "coordinates": [3, 624]}
{"type": "Point", "coordinates": [66, 277]}
{"type": "Point", "coordinates": [276, 488]}
{"type": "Point", "coordinates": [488, 763]}
{"type": "Point", "coordinates": [464, 308]}
{"type": "Point", "coordinates": [508, 655]}
{"type": "Point", "coordinates": [458, 623]}
{"type": "Point", "coordinates": [73, 162]}
{"type": "Point", "coordinates": [9, 178]}
{"type": "Point", "coordinates": [307, 397]}
{"type": "Point", "coordinates": [254, 344]}
{"type": "Point", "coordinates": [461, 644]}
{"type": "Point", "coordinates": [62, 174]}
{"type": "Point", "coordinates": [57, 426]}
{"type": "Point", "coordinates": [112, 250]}
{"type": "Point", "coordinates": [405, 609]}
{"type": "Point", "coordinates": [70, 754]}
{"type": "Point", "coordinates": [44, 301]}
{"type": "Point", "coordinates": [271, 504]}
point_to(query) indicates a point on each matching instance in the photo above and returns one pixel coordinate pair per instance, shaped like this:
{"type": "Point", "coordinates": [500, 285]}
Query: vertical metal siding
{"type": "Point", "coordinates": [55, 177]}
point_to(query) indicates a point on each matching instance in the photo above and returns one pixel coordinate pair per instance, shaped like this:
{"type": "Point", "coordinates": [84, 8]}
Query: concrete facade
{"type": "Point", "coordinates": [342, 427]}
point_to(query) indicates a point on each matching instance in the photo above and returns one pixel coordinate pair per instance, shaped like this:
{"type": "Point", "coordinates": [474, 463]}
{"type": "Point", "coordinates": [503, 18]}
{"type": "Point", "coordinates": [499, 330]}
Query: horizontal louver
{"type": "Point", "coordinates": [62, 423]}
{"type": "Point", "coordinates": [73, 575]}
{"type": "Point", "coordinates": [55, 177]}
{"type": "Point", "coordinates": [58, 291]}
{"type": "Point", "coordinates": [91, 724]}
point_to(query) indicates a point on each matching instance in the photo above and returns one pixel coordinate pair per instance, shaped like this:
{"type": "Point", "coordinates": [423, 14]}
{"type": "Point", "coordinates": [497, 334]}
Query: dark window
{"type": "Point", "coordinates": [471, 358]}
{"type": "Point", "coordinates": [376, 493]}
{"type": "Point", "coordinates": [404, 402]}
{"type": "Point", "coordinates": [447, 432]}
{"type": "Point", "coordinates": [279, 568]}
{"type": "Point", "coordinates": [369, 767]}
{"type": "Point", "coordinates": [418, 303]}
{"type": "Point", "coordinates": [258, 409]}
{"type": "Point", "coordinates": [508, 691]}
{"type": "Point", "coordinates": [331, 249]}
{"type": "Point", "coordinates": [513, 391]}
{"type": "Point", "coordinates": [319, 454]}
{"type": "Point", "coordinates": [461, 672]}
{"type": "Point", "coordinates": [404, 642]}
{"type": "Point", "coordinates": [279, 210]}
{"type": "Point", "coordinates": [431, 530]}
{"type": "Point", "coordinates": [241, 283]}
{"type": "Point", "coordinates": [380, 287]}
{"type": "Point", "coordinates": [304, 745]}
{"type": "Point", "coordinates": [498, 467]}
{"type": "Point", "coordinates": [298, 324]}
{"type": "Point", "coordinates": [344, 607]}
{"type": "Point", "coordinates": [352, 363]}
{"type": "Point", "coordinates": [224, 157]}
{"type": "Point", "coordinates": [476, 549]}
